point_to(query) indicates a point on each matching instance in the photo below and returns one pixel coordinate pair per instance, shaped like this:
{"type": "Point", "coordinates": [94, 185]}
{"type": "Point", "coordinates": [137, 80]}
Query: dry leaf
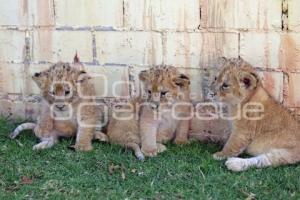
{"type": "Point", "coordinates": [112, 168]}
{"type": "Point", "coordinates": [26, 180]}
{"type": "Point", "coordinates": [123, 175]}
{"type": "Point", "coordinates": [250, 195]}
{"type": "Point", "coordinates": [123, 172]}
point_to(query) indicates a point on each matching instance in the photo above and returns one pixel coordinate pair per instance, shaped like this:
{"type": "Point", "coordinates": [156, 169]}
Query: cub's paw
{"type": "Point", "coordinates": [219, 156]}
{"type": "Point", "coordinates": [44, 144]}
{"type": "Point", "coordinates": [161, 148]}
{"type": "Point", "coordinates": [79, 147]}
{"type": "Point", "coordinates": [39, 146]}
{"type": "Point", "coordinates": [181, 141]}
{"type": "Point", "coordinates": [150, 152]}
{"type": "Point", "coordinates": [100, 137]}
{"type": "Point", "coordinates": [140, 156]}
{"type": "Point", "coordinates": [236, 164]}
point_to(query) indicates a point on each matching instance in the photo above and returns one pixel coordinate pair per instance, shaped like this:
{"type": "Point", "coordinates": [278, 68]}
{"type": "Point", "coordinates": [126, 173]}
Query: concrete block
{"type": "Point", "coordinates": [129, 48]}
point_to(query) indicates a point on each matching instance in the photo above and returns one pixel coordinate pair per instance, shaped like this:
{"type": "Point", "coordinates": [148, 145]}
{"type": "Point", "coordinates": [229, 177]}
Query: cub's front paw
{"type": "Point", "coordinates": [150, 152]}
{"type": "Point", "coordinates": [100, 137]}
{"type": "Point", "coordinates": [161, 148]}
{"type": "Point", "coordinates": [140, 156]}
{"type": "Point", "coordinates": [219, 156]}
{"type": "Point", "coordinates": [80, 147]}
{"type": "Point", "coordinates": [181, 141]}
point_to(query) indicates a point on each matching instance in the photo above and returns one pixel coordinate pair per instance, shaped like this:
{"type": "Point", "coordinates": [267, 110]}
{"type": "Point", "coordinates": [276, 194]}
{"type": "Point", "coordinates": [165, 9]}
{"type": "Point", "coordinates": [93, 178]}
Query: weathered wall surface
{"type": "Point", "coordinates": [118, 38]}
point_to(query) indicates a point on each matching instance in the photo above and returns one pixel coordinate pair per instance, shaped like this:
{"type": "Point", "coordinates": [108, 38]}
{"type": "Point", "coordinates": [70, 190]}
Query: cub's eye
{"type": "Point", "coordinates": [51, 93]}
{"type": "Point", "coordinates": [67, 92]}
{"type": "Point", "coordinates": [163, 93]}
{"type": "Point", "coordinates": [149, 92]}
{"type": "Point", "coordinates": [225, 86]}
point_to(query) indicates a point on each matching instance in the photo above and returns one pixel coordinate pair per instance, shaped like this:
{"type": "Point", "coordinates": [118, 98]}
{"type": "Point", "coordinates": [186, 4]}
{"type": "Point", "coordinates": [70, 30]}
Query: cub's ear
{"type": "Point", "coordinates": [222, 59]}
{"type": "Point", "coordinates": [76, 58]}
{"type": "Point", "coordinates": [220, 62]}
{"type": "Point", "coordinates": [240, 61]}
{"type": "Point", "coordinates": [248, 80]}
{"type": "Point", "coordinates": [40, 78]}
{"type": "Point", "coordinates": [76, 63]}
{"type": "Point", "coordinates": [182, 80]}
{"type": "Point", "coordinates": [144, 76]}
{"type": "Point", "coordinates": [82, 76]}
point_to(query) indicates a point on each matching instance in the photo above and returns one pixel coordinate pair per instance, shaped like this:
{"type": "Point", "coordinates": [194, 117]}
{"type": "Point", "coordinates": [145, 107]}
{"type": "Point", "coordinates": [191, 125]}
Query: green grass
{"type": "Point", "coordinates": [187, 172]}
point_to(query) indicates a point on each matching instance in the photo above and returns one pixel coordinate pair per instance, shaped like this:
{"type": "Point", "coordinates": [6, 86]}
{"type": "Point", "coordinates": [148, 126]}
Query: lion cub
{"type": "Point", "coordinates": [208, 130]}
{"type": "Point", "coordinates": [137, 126]}
{"type": "Point", "coordinates": [266, 130]}
{"type": "Point", "coordinates": [65, 111]}
{"type": "Point", "coordinates": [123, 127]}
{"type": "Point", "coordinates": [165, 109]}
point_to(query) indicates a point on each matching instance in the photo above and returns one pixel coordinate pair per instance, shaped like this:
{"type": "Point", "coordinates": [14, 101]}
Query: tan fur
{"type": "Point", "coordinates": [22, 127]}
{"type": "Point", "coordinates": [126, 132]}
{"type": "Point", "coordinates": [202, 127]}
{"type": "Point", "coordinates": [163, 88]}
{"type": "Point", "coordinates": [273, 140]}
{"type": "Point", "coordinates": [211, 130]}
{"type": "Point", "coordinates": [60, 86]}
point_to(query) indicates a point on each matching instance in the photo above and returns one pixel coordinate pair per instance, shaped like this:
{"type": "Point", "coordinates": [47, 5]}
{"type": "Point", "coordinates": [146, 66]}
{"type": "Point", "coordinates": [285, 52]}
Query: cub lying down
{"type": "Point", "coordinates": [60, 91]}
{"type": "Point", "coordinates": [206, 129]}
{"type": "Point", "coordinates": [273, 140]}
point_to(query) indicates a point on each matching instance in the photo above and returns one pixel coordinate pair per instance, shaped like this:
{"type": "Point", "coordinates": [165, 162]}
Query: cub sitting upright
{"type": "Point", "coordinates": [271, 136]}
{"type": "Point", "coordinates": [123, 127]}
{"type": "Point", "coordinates": [64, 112]}
{"type": "Point", "coordinates": [165, 108]}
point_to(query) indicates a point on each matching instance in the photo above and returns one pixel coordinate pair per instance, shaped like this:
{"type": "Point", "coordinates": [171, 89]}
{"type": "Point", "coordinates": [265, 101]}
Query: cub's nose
{"type": "Point", "coordinates": [155, 98]}
{"type": "Point", "coordinates": [211, 95]}
{"type": "Point", "coordinates": [60, 107]}
{"type": "Point", "coordinates": [155, 104]}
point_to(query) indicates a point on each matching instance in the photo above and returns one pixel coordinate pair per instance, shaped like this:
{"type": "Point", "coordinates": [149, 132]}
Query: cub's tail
{"type": "Point", "coordinates": [22, 127]}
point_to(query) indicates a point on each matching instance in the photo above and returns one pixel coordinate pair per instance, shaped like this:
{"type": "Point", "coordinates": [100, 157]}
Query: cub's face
{"type": "Point", "coordinates": [236, 82]}
{"type": "Point", "coordinates": [163, 85]}
{"type": "Point", "coordinates": [59, 84]}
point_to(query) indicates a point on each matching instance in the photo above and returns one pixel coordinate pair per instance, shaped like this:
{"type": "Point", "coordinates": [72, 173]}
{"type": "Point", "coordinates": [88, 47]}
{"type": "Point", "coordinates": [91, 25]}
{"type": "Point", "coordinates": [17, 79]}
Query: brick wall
{"type": "Point", "coordinates": [118, 38]}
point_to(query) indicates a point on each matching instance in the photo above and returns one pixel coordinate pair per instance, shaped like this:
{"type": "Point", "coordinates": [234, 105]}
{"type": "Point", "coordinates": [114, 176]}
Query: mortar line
{"type": "Point", "coordinates": [94, 48]}
{"type": "Point", "coordinates": [123, 14]}
{"type": "Point", "coordinates": [54, 11]}
{"type": "Point", "coordinates": [239, 44]}
{"type": "Point", "coordinates": [163, 47]}
{"type": "Point", "coordinates": [284, 15]}
{"type": "Point", "coordinates": [200, 15]}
